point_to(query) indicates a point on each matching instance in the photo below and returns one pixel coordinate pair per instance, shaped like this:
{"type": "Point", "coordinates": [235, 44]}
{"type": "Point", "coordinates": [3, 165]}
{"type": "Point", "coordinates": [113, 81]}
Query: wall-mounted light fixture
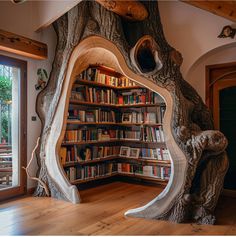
{"type": "Point", "coordinates": [227, 31]}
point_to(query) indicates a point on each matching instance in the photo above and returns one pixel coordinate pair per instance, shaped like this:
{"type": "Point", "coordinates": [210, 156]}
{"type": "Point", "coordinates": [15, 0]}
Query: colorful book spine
{"type": "Point", "coordinates": [130, 135]}
{"type": "Point", "coordinates": [157, 171]}
{"type": "Point", "coordinates": [97, 115]}
{"type": "Point", "coordinates": [96, 75]}
{"type": "Point", "coordinates": [82, 135]}
{"type": "Point", "coordinates": [91, 171]}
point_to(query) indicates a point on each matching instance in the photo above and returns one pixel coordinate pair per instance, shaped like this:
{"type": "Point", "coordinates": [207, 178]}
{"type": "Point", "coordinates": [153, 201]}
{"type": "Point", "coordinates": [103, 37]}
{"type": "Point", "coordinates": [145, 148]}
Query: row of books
{"type": "Point", "coordinates": [145, 153]}
{"type": "Point", "coordinates": [99, 115]}
{"type": "Point", "coordinates": [87, 172]}
{"type": "Point", "coordinates": [94, 95]}
{"type": "Point", "coordinates": [93, 134]}
{"type": "Point", "coordinates": [95, 74]}
{"type": "Point", "coordinates": [96, 115]}
{"type": "Point", "coordinates": [143, 117]}
{"type": "Point", "coordinates": [151, 134]}
{"type": "Point", "coordinates": [130, 135]}
{"type": "Point", "coordinates": [145, 170]}
{"type": "Point", "coordinates": [99, 170]}
{"type": "Point", "coordinates": [147, 134]}
{"type": "Point", "coordinates": [97, 95]}
{"type": "Point", "coordinates": [157, 153]}
{"type": "Point", "coordinates": [109, 96]}
{"type": "Point", "coordinates": [76, 153]}
{"type": "Point", "coordinates": [139, 96]}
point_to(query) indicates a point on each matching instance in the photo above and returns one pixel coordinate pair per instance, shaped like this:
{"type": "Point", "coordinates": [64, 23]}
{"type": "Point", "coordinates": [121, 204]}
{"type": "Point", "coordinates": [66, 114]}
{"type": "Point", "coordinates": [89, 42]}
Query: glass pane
{"type": "Point", "coordinates": [9, 127]}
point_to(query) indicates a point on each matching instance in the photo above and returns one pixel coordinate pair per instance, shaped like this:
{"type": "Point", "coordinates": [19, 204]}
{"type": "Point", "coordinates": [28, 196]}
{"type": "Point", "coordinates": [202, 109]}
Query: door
{"type": "Point", "coordinates": [13, 125]}
{"type": "Point", "coordinates": [221, 99]}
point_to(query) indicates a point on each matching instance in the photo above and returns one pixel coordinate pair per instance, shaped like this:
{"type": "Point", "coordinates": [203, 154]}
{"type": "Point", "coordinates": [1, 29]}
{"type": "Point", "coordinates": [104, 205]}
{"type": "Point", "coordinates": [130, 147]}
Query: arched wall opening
{"type": "Point", "coordinates": [99, 50]}
{"type": "Point", "coordinates": [196, 74]}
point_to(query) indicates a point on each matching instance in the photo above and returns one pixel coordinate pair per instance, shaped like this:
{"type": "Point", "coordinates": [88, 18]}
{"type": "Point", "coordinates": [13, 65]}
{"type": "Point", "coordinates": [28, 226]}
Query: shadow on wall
{"type": "Point", "coordinates": [176, 24]}
{"type": "Point", "coordinates": [191, 30]}
{"type": "Point", "coordinates": [196, 74]}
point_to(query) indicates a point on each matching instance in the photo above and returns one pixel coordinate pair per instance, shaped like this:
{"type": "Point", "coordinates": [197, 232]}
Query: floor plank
{"type": "Point", "coordinates": [102, 213]}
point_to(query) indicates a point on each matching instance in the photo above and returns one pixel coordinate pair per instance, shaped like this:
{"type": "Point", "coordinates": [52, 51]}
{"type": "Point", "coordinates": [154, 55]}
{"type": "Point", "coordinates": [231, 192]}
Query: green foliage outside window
{"type": "Point", "coordinates": [5, 98]}
{"type": "Point", "coordinates": [5, 89]}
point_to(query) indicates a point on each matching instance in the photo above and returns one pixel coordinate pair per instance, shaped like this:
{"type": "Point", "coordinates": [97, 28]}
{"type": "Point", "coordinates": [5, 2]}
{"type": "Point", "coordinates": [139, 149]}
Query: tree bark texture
{"type": "Point", "coordinates": [192, 125]}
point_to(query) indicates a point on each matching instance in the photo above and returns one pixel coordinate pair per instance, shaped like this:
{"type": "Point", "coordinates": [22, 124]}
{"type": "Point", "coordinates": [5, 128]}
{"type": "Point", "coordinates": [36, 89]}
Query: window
{"type": "Point", "coordinates": [13, 124]}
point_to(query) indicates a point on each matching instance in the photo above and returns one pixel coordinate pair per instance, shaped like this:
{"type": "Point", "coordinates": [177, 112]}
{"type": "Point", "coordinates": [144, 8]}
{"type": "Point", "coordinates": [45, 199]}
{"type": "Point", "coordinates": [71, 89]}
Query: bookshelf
{"type": "Point", "coordinates": [114, 128]}
{"type": "Point", "coordinates": [85, 103]}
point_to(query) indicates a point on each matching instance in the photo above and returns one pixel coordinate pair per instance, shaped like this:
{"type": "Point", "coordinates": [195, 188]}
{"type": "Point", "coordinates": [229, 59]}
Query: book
{"type": "Point", "coordinates": [72, 174]}
{"type": "Point", "coordinates": [88, 154]}
{"type": "Point", "coordinates": [91, 171]}
{"type": "Point", "coordinates": [90, 116]}
{"type": "Point", "coordinates": [101, 75]}
{"type": "Point", "coordinates": [63, 154]}
{"type": "Point", "coordinates": [156, 171]}
{"type": "Point", "coordinates": [165, 154]}
{"type": "Point", "coordinates": [126, 117]}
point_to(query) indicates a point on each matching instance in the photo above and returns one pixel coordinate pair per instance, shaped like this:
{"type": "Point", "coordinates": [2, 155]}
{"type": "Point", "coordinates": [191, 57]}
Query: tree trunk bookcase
{"type": "Point", "coordinates": [93, 33]}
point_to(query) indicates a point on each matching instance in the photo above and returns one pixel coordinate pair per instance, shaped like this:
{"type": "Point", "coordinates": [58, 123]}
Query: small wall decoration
{"type": "Point", "coordinates": [42, 79]}
{"type": "Point", "coordinates": [227, 32]}
{"type": "Point", "coordinates": [134, 152]}
{"type": "Point", "coordinates": [124, 151]}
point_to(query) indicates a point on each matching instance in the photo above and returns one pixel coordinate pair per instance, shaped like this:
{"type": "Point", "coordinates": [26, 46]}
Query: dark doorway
{"type": "Point", "coordinates": [228, 127]}
{"type": "Point", "coordinates": [221, 99]}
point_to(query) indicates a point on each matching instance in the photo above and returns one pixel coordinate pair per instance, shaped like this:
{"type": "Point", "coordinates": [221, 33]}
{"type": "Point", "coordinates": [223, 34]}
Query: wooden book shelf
{"type": "Point", "coordinates": [116, 157]}
{"type": "Point", "coordinates": [112, 123]}
{"type": "Point", "coordinates": [101, 85]}
{"type": "Point", "coordinates": [83, 124]}
{"type": "Point", "coordinates": [80, 181]}
{"type": "Point", "coordinates": [117, 106]}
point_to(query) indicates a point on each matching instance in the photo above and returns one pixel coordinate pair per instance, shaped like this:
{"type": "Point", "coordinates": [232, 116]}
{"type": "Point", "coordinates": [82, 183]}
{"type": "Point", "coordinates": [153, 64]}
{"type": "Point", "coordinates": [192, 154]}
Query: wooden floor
{"type": "Point", "coordinates": [102, 213]}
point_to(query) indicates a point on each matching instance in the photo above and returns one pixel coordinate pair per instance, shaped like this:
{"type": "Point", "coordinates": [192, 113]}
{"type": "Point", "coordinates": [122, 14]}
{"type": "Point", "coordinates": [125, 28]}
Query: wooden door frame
{"type": "Point", "coordinates": [22, 188]}
{"type": "Point", "coordinates": [222, 74]}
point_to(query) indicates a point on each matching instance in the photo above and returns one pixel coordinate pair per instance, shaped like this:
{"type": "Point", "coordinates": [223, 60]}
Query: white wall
{"type": "Point", "coordinates": [196, 74]}
{"type": "Point", "coordinates": [19, 19]}
{"type": "Point", "coordinates": [191, 30]}
{"type": "Point", "coordinates": [48, 11]}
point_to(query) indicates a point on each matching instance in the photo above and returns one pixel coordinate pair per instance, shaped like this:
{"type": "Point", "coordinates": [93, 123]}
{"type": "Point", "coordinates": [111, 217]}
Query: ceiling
{"type": "Point", "coordinates": [49, 11]}
{"type": "Point", "coordinates": [226, 9]}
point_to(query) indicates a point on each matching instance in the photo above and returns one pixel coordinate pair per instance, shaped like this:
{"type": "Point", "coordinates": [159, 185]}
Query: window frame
{"type": "Point", "coordinates": [22, 188]}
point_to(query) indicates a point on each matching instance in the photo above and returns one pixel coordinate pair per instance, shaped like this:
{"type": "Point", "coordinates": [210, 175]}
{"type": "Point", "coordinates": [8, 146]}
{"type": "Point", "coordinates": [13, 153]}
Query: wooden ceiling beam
{"type": "Point", "coordinates": [131, 10]}
{"type": "Point", "coordinates": [23, 46]}
{"type": "Point", "coordinates": [226, 9]}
